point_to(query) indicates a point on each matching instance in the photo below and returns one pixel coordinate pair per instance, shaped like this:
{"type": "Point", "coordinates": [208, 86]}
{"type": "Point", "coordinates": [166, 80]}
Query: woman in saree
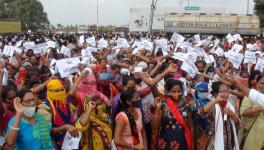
{"type": "Point", "coordinates": [222, 119]}
{"type": "Point", "coordinates": [60, 109]}
{"type": "Point", "coordinates": [201, 123]}
{"type": "Point", "coordinates": [172, 118]}
{"type": "Point", "coordinates": [27, 129]}
{"type": "Point", "coordinates": [95, 124]}
{"type": "Point", "coordinates": [87, 86]}
{"type": "Point", "coordinates": [253, 121]}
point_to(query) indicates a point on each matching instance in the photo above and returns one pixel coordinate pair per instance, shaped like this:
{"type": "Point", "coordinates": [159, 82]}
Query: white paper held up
{"type": "Point", "coordinates": [71, 143]}
{"type": "Point", "coordinates": [250, 57]}
{"type": "Point", "coordinates": [177, 38]}
{"type": "Point", "coordinates": [68, 66]}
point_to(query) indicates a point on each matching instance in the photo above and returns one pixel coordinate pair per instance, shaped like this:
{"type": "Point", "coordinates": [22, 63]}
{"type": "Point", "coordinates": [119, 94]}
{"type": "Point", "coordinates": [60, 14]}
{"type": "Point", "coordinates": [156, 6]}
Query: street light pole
{"type": "Point", "coordinates": [247, 7]}
{"type": "Point", "coordinates": [97, 17]}
{"type": "Point", "coordinates": [152, 14]}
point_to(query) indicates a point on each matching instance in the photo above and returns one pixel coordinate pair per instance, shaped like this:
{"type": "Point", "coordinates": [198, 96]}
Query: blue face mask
{"type": "Point", "coordinates": [210, 74]}
{"type": "Point", "coordinates": [106, 76]}
{"type": "Point", "coordinates": [219, 63]}
{"type": "Point", "coordinates": [203, 95]}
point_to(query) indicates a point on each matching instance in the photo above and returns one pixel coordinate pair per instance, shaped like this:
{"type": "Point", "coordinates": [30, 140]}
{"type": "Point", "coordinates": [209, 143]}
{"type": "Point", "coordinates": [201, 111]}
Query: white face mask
{"type": "Point", "coordinates": [29, 111]}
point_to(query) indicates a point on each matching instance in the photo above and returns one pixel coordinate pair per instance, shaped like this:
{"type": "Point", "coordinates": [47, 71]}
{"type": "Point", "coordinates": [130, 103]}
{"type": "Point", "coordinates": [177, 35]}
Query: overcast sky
{"type": "Point", "coordinates": [116, 12]}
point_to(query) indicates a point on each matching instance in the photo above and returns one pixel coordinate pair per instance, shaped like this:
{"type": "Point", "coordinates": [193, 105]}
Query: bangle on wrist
{"type": "Point", "coordinates": [13, 128]}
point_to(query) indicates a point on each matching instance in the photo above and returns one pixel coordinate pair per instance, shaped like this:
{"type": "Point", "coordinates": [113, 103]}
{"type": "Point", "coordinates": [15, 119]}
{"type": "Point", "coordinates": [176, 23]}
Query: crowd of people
{"type": "Point", "coordinates": [121, 91]}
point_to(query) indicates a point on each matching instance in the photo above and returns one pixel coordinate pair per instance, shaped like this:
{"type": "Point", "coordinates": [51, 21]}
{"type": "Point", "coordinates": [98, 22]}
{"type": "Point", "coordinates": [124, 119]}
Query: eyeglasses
{"type": "Point", "coordinates": [29, 101]}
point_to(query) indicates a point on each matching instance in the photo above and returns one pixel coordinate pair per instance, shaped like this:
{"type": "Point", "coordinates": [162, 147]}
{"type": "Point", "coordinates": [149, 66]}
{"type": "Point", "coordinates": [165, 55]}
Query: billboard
{"type": "Point", "coordinates": [139, 17]}
{"type": "Point", "coordinates": [218, 24]}
{"type": "Point", "coordinates": [10, 27]}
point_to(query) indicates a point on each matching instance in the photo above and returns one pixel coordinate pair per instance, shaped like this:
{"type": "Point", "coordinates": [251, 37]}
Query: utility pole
{"type": "Point", "coordinates": [97, 18]}
{"type": "Point", "coordinates": [152, 14]}
{"type": "Point", "coordinates": [247, 7]}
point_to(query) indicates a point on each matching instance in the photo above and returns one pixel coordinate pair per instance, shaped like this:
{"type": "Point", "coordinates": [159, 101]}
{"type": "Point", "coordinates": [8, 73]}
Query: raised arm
{"type": "Point", "coordinates": [153, 82]}
{"type": "Point", "coordinates": [14, 127]}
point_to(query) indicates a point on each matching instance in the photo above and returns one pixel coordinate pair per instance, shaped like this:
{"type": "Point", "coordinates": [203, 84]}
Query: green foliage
{"type": "Point", "coordinates": [259, 11]}
{"type": "Point", "coordinates": [29, 12]}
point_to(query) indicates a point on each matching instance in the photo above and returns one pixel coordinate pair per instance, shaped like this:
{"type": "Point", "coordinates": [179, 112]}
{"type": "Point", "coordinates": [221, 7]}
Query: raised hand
{"type": "Point", "coordinates": [91, 106]}
{"type": "Point", "coordinates": [72, 130]}
{"type": "Point", "coordinates": [173, 68]}
{"type": "Point", "coordinates": [18, 106]}
{"type": "Point", "coordinates": [157, 102]}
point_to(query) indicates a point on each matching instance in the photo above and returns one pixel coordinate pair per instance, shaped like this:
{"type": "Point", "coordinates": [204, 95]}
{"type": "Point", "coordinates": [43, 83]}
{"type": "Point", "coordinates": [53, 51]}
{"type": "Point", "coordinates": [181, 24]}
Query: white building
{"type": "Point", "coordinates": [139, 17]}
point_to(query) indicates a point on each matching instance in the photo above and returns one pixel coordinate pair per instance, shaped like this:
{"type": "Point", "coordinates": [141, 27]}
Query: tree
{"type": "Point", "coordinates": [29, 12]}
{"type": "Point", "coordinates": [59, 26]}
{"type": "Point", "coordinates": [259, 11]}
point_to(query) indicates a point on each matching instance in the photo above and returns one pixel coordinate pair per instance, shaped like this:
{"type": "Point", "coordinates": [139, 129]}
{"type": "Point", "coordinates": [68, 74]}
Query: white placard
{"type": "Point", "coordinates": [91, 41]}
{"type": "Point", "coordinates": [216, 43]}
{"type": "Point", "coordinates": [18, 44]}
{"type": "Point", "coordinates": [147, 45]}
{"type": "Point", "coordinates": [87, 53]}
{"type": "Point", "coordinates": [81, 39]}
{"type": "Point", "coordinates": [136, 44]}
{"type": "Point", "coordinates": [209, 59]}
{"type": "Point", "coordinates": [37, 49]}
{"type": "Point", "coordinates": [5, 77]}
{"type": "Point", "coordinates": [179, 56]}
{"type": "Point", "coordinates": [91, 49]}
{"type": "Point", "coordinates": [122, 43]}
{"type": "Point", "coordinates": [235, 58]}
{"type": "Point", "coordinates": [230, 38]}
{"type": "Point", "coordinates": [70, 142]}
{"type": "Point", "coordinates": [251, 47]}
{"type": "Point", "coordinates": [28, 44]}
{"type": "Point", "coordinates": [51, 44]}
{"type": "Point", "coordinates": [219, 51]}
{"type": "Point", "coordinates": [163, 44]}
{"type": "Point", "coordinates": [250, 57]}
{"type": "Point", "coordinates": [177, 38]}
{"type": "Point", "coordinates": [102, 43]}
{"type": "Point", "coordinates": [68, 66]}
{"type": "Point", "coordinates": [9, 50]}
{"type": "Point", "coordinates": [189, 66]}
{"type": "Point", "coordinates": [260, 64]}
{"type": "Point", "coordinates": [18, 50]}
{"type": "Point", "coordinates": [197, 37]}
{"type": "Point", "coordinates": [66, 51]}
{"type": "Point", "coordinates": [237, 37]}
{"type": "Point", "coordinates": [236, 48]}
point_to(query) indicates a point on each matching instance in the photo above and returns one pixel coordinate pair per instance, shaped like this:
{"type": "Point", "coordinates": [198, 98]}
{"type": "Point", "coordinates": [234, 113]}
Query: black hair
{"type": "Point", "coordinates": [115, 66]}
{"type": "Point", "coordinates": [30, 50]}
{"type": "Point", "coordinates": [200, 61]}
{"type": "Point", "coordinates": [260, 77]}
{"type": "Point", "coordinates": [127, 96]}
{"type": "Point", "coordinates": [252, 76]}
{"type": "Point", "coordinates": [126, 79]}
{"type": "Point", "coordinates": [215, 87]}
{"type": "Point", "coordinates": [170, 83]}
{"type": "Point", "coordinates": [243, 72]}
{"type": "Point", "coordinates": [7, 89]}
{"type": "Point", "coordinates": [22, 93]}
{"type": "Point", "coordinates": [32, 71]}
